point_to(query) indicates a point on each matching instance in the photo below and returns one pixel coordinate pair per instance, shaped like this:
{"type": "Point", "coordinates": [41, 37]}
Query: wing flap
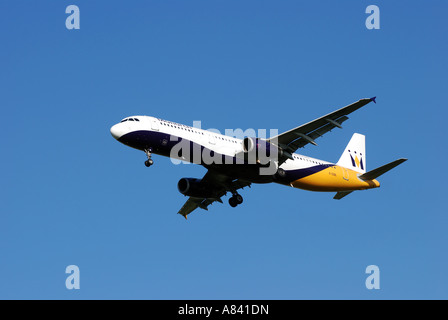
{"type": "Point", "coordinates": [301, 142]}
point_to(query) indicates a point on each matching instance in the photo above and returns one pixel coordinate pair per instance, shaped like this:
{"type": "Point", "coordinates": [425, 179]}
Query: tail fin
{"type": "Point", "coordinates": [375, 173]}
{"type": "Point", "coordinates": [354, 155]}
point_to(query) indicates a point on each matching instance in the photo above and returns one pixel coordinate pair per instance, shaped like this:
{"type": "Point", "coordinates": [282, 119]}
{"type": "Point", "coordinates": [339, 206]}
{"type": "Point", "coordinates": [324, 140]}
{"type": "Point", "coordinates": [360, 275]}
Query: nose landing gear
{"type": "Point", "coordinates": [148, 162]}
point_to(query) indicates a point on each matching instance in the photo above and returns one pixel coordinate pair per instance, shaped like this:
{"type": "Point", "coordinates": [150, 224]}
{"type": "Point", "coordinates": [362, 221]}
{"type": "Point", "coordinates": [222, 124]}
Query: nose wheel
{"type": "Point", "coordinates": [148, 162]}
{"type": "Point", "coordinates": [235, 200]}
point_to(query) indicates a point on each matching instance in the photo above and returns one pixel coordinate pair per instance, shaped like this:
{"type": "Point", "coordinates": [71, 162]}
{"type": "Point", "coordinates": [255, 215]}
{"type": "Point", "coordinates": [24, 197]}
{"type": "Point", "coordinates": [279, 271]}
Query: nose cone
{"type": "Point", "coordinates": [116, 131]}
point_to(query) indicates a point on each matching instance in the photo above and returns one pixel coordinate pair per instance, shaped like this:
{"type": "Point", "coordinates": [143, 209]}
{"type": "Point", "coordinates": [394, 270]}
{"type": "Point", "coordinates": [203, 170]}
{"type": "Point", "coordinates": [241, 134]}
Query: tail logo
{"type": "Point", "coordinates": [357, 162]}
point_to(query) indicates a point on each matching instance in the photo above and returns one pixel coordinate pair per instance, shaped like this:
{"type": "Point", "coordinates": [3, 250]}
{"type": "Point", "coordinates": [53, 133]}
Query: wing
{"type": "Point", "coordinates": [221, 183]}
{"type": "Point", "coordinates": [298, 137]}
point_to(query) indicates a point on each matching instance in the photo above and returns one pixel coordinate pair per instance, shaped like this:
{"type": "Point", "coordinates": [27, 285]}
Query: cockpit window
{"type": "Point", "coordinates": [129, 119]}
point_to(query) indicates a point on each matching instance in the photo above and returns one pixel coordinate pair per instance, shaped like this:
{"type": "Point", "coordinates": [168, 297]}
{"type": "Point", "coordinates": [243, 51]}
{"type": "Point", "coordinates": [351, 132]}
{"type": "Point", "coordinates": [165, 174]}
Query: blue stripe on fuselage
{"type": "Point", "coordinates": [162, 143]}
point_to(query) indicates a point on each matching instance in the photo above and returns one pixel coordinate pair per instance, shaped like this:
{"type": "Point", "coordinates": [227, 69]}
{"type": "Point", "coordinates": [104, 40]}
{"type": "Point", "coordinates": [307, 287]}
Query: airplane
{"type": "Point", "coordinates": [234, 164]}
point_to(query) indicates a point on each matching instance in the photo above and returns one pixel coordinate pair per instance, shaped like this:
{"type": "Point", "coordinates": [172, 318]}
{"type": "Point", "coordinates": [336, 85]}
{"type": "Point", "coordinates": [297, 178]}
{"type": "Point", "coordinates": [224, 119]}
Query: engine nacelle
{"type": "Point", "coordinates": [260, 151]}
{"type": "Point", "coordinates": [194, 188]}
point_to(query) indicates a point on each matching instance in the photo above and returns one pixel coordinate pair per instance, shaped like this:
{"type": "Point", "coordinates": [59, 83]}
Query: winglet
{"type": "Point", "coordinates": [183, 215]}
{"type": "Point", "coordinates": [373, 99]}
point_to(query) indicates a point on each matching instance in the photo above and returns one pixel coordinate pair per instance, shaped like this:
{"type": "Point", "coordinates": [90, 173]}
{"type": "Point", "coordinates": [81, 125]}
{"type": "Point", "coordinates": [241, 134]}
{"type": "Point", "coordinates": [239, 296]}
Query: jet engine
{"type": "Point", "coordinates": [260, 151]}
{"type": "Point", "coordinates": [195, 188]}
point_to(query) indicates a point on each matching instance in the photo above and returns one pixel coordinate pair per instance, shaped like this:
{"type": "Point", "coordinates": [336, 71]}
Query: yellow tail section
{"type": "Point", "coordinates": [334, 178]}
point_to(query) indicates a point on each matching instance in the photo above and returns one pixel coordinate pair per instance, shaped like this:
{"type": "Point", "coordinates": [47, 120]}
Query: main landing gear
{"type": "Point", "coordinates": [148, 162]}
{"type": "Point", "coordinates": [235, 200]}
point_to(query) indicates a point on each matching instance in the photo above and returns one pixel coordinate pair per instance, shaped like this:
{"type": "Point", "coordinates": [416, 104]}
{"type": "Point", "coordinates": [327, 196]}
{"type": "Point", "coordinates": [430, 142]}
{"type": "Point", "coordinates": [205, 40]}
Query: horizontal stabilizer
{"type": "Point", "coordinates": [375, 173]}
{"type": "Point", "coordinates": [341, 194]}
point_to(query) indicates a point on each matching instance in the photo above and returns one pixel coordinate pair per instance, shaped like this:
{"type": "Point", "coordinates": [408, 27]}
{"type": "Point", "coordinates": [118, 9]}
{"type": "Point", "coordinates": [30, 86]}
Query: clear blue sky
{"type": "Point", "coordinates": [71, 194]}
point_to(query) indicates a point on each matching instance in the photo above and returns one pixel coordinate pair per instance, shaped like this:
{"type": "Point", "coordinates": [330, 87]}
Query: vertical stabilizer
{"type": "Point", "coordinates": [354, 155]}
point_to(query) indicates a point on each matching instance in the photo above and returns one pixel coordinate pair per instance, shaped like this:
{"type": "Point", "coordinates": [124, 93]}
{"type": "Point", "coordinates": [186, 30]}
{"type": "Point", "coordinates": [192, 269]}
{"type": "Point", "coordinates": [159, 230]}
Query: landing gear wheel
{"type": "Point", "coordinates": [235, 200]}
{"type": "Point", "coordinates": [238, 198]}
{"type": "Point", "coordinates": [149, 162]}
{"type": "Point", "coordinates": [232, 202]}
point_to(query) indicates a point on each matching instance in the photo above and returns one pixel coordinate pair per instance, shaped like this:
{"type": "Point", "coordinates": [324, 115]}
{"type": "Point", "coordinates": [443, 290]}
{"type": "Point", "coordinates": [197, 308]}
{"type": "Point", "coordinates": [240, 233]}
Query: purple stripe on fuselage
{"type": "Point", "coordinates": [293, 175]}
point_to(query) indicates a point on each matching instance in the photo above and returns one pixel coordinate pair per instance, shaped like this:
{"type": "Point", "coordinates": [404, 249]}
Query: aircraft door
{"type": "Point", "coordinates": [155, 124]}
{"type": "Point", "coordinates": [211, 138]}
{"type": "Point", "coordinates": [345, 174]}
